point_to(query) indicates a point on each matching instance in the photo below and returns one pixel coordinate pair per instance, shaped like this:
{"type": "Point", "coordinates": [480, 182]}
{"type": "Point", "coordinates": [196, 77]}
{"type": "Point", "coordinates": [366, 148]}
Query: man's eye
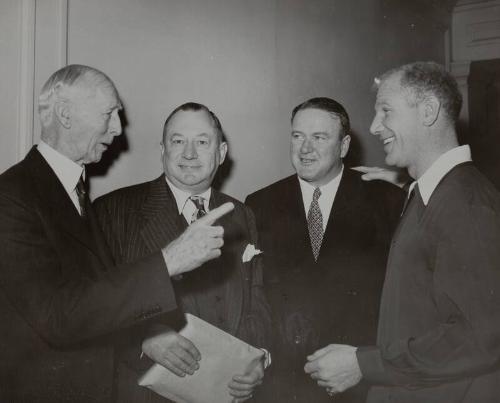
{"type": "Point", "coordinates": [177, 141]}
{"type": "Point", "coordinates": [203, 143]}
{"type": "Point", "coordinates": [319, 138]}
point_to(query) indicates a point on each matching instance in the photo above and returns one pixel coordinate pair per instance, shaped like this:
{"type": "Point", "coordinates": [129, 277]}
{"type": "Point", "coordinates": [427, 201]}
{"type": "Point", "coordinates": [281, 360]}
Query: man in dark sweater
{"type": "Point", "coordinates": [438, 334]}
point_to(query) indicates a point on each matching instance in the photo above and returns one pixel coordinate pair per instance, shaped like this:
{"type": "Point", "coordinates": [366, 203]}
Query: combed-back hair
{"type": "Point", "coordinates": [330, 106]}
{"type": "Point", "coordinates": [420, 79]}
{"type": "Point", "coordinates": [195, 107]}
{"type": "Point", "coordinates": [70, 76]}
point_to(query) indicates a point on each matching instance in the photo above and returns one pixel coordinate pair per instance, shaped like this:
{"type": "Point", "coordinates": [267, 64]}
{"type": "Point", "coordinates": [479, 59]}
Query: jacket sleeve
{"type": "Point", "coordinates": [466, 288]}
{"type": "Point", "coordinates": [62, 290]}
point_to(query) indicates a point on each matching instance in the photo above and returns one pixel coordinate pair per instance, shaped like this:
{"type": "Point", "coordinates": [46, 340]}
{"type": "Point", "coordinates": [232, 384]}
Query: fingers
{"type": "Point", "coordinates": [255, 378]}
{"type": "Point", "coordinates": [365, 169]}
{"type": "Point", "coordinates": [215, 214]}
{"type": "Point", "coordinates": [320, 352]}
{"type": "Point", "coordinates": [179, 365]}
{"type": "Point", "coordinates": [190, 348]}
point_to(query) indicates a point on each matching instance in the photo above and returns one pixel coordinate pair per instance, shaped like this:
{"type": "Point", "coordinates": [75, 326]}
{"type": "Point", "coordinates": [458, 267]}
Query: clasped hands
{"type": "Point", "coordinates": [180, 356]}
{"type": "Point", "coordinates": [334, 367]}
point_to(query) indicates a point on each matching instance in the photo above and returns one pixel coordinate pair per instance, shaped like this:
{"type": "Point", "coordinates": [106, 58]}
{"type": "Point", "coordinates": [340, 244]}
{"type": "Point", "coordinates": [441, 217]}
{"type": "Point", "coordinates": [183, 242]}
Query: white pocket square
{"type": "Point", "coordinates": [249, 253]}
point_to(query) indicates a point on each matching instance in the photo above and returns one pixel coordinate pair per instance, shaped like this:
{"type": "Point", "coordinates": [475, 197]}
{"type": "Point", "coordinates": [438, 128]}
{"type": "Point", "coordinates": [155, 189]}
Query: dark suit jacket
{"type": "Point", "coordinates": [60, 293]}
{"type": "Point", "coordinates": [226, 292]}
{"type": "Point", "coordinates": [333, 300]}
{"type": "Point", "coordinates": [439, 331]}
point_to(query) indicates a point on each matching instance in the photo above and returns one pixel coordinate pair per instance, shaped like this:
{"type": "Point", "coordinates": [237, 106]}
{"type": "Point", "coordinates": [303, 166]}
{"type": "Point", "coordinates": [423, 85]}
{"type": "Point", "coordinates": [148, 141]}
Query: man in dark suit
{"type": "Point", "coordinates": [323, 277]}
{"type": "Point", "coordinates": [228, 294]}
{"type": "Point", "coordinates": [61, 294]}
{"type": "Point", "coordinates": [438, 334]}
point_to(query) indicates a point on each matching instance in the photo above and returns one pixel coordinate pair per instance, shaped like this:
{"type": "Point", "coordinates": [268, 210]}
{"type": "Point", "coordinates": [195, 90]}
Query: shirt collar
{"type": "Point", "coordinates": [428, 182]}
{"type": "Point", "coordinates": [67, 171]}
{"type": "Point", "coordinates": [328, 188]}
{"type": "Point", "coordinates": [181, 196]}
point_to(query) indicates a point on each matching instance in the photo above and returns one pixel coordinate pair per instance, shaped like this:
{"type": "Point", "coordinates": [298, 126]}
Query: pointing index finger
{"type": "Point", "coordinates": [215, 214]}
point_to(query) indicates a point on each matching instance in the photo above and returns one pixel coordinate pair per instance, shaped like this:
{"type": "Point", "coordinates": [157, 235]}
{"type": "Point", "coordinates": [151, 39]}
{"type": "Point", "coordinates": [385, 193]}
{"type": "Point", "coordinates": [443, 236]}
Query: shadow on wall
{"type": "Point", "coordinates": [224, 171]}
{"type": "Point", "coordinates": [355, 155]}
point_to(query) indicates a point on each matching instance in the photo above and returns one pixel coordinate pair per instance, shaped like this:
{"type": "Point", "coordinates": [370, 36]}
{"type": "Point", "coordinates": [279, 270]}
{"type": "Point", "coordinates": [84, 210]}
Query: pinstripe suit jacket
{"type": "Point", "coordinates": [60, 291]}
{"type": "Point", "coordinates": [137, 219]}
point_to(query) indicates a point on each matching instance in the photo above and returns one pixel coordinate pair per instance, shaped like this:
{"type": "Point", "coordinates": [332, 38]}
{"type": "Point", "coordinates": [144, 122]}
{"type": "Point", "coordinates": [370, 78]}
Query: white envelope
{"type": "Point", "coordinates": [222, 357]}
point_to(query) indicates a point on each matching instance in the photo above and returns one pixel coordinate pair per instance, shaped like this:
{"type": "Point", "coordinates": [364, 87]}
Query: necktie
{"type": "Point", "coordinates": [81, 192]}
{"type": "Point", "coordinates": [200, 207]}
{"type": "Point", "coordinates": [315, 224]}
{"type": "Point", "coordinates": [409, 198]}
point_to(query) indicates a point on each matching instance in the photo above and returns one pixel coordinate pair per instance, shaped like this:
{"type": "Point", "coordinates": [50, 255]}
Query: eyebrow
{"type": "Point", "coordinates": [315, 133]}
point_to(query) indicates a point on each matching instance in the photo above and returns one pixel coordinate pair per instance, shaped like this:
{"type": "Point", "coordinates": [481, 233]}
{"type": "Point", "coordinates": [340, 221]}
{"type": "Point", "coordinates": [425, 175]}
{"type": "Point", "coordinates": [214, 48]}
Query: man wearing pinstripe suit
{"type": "Point", "coordinates": [228, 293]}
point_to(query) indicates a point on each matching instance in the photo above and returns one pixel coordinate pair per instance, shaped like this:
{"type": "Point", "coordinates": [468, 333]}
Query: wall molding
{"type": "Point", "coordinates": [44, 49]}
{"type": "Point", "coordinates": [26, 77]}
{"type": "Point", "coordinates": [474, 35]}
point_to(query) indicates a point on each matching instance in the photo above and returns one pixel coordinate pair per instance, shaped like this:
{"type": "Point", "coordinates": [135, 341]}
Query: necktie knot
{"type": "Point", "coordinates": [198, 202]}
{"type": "Point", "coordinates": [316, 195]}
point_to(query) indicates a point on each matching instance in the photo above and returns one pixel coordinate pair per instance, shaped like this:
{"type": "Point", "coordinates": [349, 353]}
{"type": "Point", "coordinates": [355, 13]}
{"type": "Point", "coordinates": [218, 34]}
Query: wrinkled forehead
{"type": "Point", "coordinates": [390, 88]}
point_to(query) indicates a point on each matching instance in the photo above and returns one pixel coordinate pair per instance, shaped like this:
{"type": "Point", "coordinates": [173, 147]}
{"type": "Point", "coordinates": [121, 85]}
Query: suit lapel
{"type": "Point", "coordinates": [341, 207]}
{"type": "Point", "coordinates": [158, 220]}
{"type": "Point", "coordinates": [231, 263]}
{"type": "Point", "coordinates": [56, 203]}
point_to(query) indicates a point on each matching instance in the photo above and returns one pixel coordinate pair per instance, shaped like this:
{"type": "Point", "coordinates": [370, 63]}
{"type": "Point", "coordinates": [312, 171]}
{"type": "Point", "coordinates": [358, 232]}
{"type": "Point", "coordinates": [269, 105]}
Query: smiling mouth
{"type": "Point", "coordinates": [189, 166]}
{"type": "Point", "coordinates": [388, 140]}
{"type": "Point", "coordinates": [307, 161]}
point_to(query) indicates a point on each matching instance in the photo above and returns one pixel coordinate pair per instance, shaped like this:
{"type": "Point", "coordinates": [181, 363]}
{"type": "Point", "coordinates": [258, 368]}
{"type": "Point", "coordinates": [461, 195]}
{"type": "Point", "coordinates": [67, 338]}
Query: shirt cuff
{"type": "Point", "coordinates": [267, 358]}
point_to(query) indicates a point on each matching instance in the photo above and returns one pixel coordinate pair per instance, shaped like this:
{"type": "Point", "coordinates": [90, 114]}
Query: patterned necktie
{"type": "Point", "coordinates": [315, 224]}
{"type": "Point", "coordinates": [200, 207]}
{"type": "Point", "coordinates": [81, 192]}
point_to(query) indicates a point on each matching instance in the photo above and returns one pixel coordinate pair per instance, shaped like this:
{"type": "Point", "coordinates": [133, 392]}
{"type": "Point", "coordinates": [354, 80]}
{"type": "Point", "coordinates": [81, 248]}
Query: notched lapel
{"type": "Point", "coordinates": [234, 242]}
{"type": "Point", "coordinates": [55, 202]}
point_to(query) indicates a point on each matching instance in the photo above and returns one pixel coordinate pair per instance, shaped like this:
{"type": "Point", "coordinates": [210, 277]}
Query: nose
{"type": "Point", "coordinates": [189, 151]}
{"type": "Point", "coordinates": [115, 125]}
{"type": "Point", "coordinates": [376, 126]}
{"type": "Point", "coordinates": [306, 146]}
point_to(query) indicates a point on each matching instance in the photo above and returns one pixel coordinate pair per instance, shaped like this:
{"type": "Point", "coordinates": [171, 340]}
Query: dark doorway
{"type": "Point", "coordinates": [484, 117]}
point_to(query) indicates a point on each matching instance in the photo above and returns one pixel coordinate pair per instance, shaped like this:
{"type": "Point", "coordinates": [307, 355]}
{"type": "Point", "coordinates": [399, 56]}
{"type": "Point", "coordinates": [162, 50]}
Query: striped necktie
{"type": "Point", "coordinates": [200, 207]}
{"type": "Point", "coordinates": [81, 192]}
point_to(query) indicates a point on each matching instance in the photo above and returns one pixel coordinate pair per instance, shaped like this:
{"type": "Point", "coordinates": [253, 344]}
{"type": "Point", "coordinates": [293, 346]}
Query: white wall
{"type": "Point", "coordinates": [250, 61]}
{"type": "Point", "coordinates": [10, 45]}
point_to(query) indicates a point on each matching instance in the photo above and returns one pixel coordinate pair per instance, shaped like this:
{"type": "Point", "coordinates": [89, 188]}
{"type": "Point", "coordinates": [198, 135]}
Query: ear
{"type": "Point", "coordinates": [344, 146]}
{"type": "Point", "coordinates": [222, 152]}
{"type": "Point", "coordinates": [62, 114]}
{"type": "Point", "coordinates": [429, 110]}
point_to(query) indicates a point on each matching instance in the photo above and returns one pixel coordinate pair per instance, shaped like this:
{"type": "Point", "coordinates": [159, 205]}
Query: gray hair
{"type": "Point", "coordinates": [70, 76]}
{"type": "Point", "coordinates": [423, 78]}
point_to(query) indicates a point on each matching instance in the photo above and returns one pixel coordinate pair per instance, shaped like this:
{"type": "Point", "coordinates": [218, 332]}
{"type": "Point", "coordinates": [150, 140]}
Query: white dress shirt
{"type": "Point", "coordinates": [325, 201]}
{"type": "Point", "coordinates": [428, 182]}
{"type": "Point", "coordinates": [68, 172]}
{"type": "Point", "coordinates": [185, 206]}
